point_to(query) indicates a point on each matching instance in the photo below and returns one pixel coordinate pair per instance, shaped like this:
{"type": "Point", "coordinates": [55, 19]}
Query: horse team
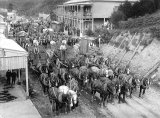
{"type": "Point", "coordinates": [62, 83]}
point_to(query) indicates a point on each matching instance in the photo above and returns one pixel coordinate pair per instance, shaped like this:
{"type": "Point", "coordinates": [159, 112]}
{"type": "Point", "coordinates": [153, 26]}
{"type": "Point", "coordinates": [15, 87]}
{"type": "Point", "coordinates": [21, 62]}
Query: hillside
{"type": "Point", "coordinates": [31, 7]}
{"type": "Point", "coordinates": [150, 23]}
{"type": "Point", "coordinates": [141, 38]}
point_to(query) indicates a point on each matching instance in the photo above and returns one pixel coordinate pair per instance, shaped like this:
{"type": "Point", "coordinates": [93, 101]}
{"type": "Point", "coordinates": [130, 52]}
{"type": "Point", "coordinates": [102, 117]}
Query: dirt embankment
{"type": "Point", "coordinates": [141, 62]}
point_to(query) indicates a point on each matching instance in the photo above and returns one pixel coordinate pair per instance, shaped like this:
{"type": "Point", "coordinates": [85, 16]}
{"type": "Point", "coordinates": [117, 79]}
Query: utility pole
{"type": "Point", "coordinates": [99, 39]}
{"type": "Point", "coordinates": [134, 53]}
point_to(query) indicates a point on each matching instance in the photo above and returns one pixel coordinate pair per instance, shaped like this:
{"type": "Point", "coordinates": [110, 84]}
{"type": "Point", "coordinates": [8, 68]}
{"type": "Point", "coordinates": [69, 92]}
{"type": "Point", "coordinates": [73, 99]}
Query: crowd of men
{"type": "Point", "coordinates": [11, 77]}
{"type": "Point", "coordinates": [38, 36]}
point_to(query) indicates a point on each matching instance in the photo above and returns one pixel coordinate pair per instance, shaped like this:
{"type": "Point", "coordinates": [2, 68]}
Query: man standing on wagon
{"type": "Point", "coordinates": [63, 50]}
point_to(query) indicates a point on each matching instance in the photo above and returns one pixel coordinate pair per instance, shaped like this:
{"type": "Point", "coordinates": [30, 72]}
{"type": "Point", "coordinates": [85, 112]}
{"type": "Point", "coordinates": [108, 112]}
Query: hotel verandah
{"type": "Point", "coordinates": [85, 14]}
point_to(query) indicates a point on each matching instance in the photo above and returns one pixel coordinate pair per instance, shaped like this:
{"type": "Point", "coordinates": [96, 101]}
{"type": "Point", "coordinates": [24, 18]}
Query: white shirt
{"type": "Point", "coordinates": [52, 42]}
{"type": "Point", "coordinates": [64, 42]}
{"type": "Point", "coordinates": [62, 47]}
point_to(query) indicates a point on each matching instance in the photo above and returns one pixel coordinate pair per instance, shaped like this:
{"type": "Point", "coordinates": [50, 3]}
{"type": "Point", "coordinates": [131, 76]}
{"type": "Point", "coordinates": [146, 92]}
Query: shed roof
{"type": "Point", "coordinates": [10, 44]}
{"type": "Point", "coordinates": [12, 55]}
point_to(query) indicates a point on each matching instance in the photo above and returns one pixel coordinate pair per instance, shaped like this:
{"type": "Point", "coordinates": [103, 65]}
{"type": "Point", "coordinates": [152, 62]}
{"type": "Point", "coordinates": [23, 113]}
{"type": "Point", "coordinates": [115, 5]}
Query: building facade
{"type": "Point", "coordinates": [80, 15]}
{"type": "Point", "coordinates": [44, 16]}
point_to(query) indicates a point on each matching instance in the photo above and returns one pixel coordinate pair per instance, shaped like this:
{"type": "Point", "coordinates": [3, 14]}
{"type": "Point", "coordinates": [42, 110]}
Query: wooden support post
{"type": "Point", "coordinates": [124, 47]}
{"type": "Point", "coordinates": [99, 41]}
{"type": "Point", "coordinates": [27, 85]}
{"type": "Point", "coordinates": [134, 53]}
{"type": "Point", "coordinates": [111, 40]}
{"type": "Point", "coordinates": [118, 48]}
{"type": "Point", "coordinates": [121, 58]}
{"type": "Point", "coordinates": [19, 75]}
{"type": "Point", "coordinates": [82, 26]}
{"type": "Point", "coordinates": [113, 44]}
{"type": "Point", "coordinates": [92, 24]}
{"type": "Point", "coordinates": [155, 66]}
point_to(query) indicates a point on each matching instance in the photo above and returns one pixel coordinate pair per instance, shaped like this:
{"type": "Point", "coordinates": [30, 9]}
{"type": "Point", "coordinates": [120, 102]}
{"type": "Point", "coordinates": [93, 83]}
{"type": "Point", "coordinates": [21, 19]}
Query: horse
{"type": "Point", "coordinates": [133, 82]}
{"type": "Point", "coordinates": [75, 72]}
{"type": "Point", "coordinates": [60, 97]}
{"type": "Point", "coordinates": [73, 84]}
{"type": "Point", "coordinates": [65, 77]}
{"type": "Point", "coordinates": [94, 69]}
{"type": "Point", "coordinates": [81, 61]}
{"type": "Point", "coordinates": [123, 89]}
{"type": "Point", "coordinates": [99, 60]}
{"type": "Point", "coordinates": [144, 84]}
{"type": "Point", "coordinates": [64, 90]}
{"type": "Point", "coordinates": [105, 88]}
{"type": "Point", "coordinates": [74, 99]}
{"type": "Point", "coordinates": [50, 69]}
{"type": "Point", "coordinates": [55, 81]}
{"type": "Point", "coordinates": [44, 80]}
{"type": "Point", "coordinates": [83, 77]}
{"type": "Point", "coordinates": [111, 87]}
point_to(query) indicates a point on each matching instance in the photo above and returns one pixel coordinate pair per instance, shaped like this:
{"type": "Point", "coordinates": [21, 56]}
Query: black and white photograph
{"type": "Point", "coordinates": [79, 58]}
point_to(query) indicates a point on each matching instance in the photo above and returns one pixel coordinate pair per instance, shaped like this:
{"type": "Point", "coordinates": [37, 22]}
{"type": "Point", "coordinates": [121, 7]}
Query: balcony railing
{"type": "Point", "coordinates": [87, 15]}
{"type": "Point", "coordinates": [75, 14]}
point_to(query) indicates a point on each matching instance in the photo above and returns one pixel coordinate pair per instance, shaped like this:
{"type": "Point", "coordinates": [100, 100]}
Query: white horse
{"type": "Point", "coordinates": [74, 98]}
{"type": "Point", "coordinates": [63, 89]}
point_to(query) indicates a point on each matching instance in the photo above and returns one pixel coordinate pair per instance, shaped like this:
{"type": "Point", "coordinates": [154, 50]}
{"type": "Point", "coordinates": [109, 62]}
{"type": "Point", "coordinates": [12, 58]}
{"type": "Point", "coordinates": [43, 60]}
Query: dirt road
{"type": "Point", "coordinates": [146, 107]}
{"type": "Point", "coordinates": [135, 107]}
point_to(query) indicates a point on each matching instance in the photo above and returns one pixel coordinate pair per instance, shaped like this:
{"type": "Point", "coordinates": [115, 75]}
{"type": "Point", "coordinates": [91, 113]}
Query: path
{"type": "Point", "coordinates": [19, 109]}
{"type": "Point", "coordinates": [147, 107]}
{"type": "Point", "coordinates": [10, 93]}
{"type": "Point", "coordinates": [13, 103]}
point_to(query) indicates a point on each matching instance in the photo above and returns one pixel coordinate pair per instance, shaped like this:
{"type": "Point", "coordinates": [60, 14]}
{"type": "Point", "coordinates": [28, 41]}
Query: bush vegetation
{"type": "Point", "coordinates": [102, 33]}
{"type": "Point", "coordinates": [136, 10]}
{"type": "Point", "coordinates": [30, 7]}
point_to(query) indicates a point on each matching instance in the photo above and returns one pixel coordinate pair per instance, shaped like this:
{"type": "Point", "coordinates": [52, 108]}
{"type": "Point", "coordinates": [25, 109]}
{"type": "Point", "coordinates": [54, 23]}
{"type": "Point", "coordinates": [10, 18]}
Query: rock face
{"type": "Point", "coordinates": [145, 58]}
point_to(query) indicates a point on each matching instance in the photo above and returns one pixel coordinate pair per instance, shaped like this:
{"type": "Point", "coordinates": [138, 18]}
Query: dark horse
{"type": "Point", "coordinates": [123, 89]}
{"type": "Point", "coordinates": [44, 80]}
{"type": "Point", "coordinates": [133, 84]}
{"type": "Point", "coordinates": [105, 88]}
{"type": "Point", "coordinates": [144, 84]}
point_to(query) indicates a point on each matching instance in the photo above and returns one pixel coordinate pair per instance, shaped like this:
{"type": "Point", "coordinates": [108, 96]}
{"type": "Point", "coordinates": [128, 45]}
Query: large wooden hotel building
{"type": "Point", "coordinates": [84, 14]}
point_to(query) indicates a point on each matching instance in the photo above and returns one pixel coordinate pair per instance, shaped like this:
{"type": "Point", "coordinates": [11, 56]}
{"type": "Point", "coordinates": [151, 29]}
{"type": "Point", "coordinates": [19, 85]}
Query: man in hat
{"type": "Point", "coordinates": [14, 75]}
{"type": "Point", "coordinates": [63, 51]}
{"type": "Point", "coordinates": [8, 75]}
{"type": "Point", "coordinates": [86, 61]}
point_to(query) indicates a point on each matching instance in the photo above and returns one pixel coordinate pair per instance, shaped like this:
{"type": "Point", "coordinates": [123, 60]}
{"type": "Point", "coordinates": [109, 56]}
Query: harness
{"type": "Point", "coordinates": [54, 92]}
